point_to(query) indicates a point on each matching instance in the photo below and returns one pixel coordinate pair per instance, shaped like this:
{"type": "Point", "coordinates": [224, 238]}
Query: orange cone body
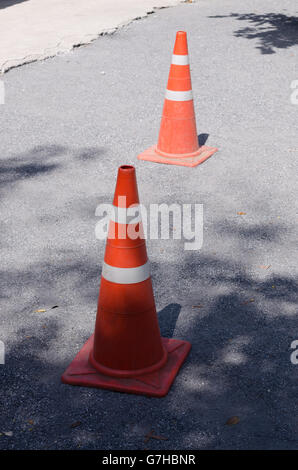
{"type": "Point", "coordinates": [127, 338]}
{"type": "Point", "coordinates": [178, 139]}
{"type": "Point", "coordinates": [126, 352]}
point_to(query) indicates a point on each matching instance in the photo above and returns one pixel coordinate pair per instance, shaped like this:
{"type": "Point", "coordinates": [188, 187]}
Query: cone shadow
{"type": "Point", "coordinates": [167, 318]}
{"type": "Point", "coordinates": [202, 138]}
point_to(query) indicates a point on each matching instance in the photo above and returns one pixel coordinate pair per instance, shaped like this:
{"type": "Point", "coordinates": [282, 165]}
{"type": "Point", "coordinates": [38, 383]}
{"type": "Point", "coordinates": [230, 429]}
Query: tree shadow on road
{"type": "Point", "coordinates": [239, 364]}
{"type": "Point", "coordinates": [272, 30]}
{"type": "Point", "coordinates": [9, 3]}
{"type": "Point", "coordinates": [43, 160]}
{"type": "Point", "coordinates": [29, 164]}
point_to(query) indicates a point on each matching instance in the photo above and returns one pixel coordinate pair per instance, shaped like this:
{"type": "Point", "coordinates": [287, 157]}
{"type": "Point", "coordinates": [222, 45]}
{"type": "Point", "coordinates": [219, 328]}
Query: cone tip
{"type": "Point", "coordinates": [126, 169]}
{"type": "Point", "coordinates": [180, 46]}
{"type": "Point", "coordinates": [126, 187]}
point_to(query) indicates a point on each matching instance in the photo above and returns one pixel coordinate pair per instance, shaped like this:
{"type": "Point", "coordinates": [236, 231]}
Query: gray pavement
{"type": "Point", "coordinates": [65, 128]}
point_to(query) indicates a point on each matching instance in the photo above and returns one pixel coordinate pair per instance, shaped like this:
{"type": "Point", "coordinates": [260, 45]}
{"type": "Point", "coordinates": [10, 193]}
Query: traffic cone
{"type": "Point", "coordinates": [178, 139]}
{"type": "Point", "coordinates": [126, 352]}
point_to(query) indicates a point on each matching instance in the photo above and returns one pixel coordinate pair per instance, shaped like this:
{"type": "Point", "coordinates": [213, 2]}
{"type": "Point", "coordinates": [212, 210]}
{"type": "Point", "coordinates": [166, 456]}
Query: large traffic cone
{"type": "Point", "coordinates": [178, 139]}
{"type": "Point", "coordinates": [126, 352]}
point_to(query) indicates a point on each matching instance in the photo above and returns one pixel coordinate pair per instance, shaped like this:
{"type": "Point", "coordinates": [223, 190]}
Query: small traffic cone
{"type": "Point", "coordinates": [126, 352]}
{"type": "Point", "coordinates": [178, 139]}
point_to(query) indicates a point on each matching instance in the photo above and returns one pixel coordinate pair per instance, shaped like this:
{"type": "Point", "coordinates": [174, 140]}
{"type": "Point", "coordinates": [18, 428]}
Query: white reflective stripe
{"type": "Point", "coordinates": [124, 215]}
{"type": "Point", "coordinates": [179, 95]}
{"type": "Point", "coordinates": [126, 275]}
{"type": "Point", "coordinates": [180, 59]}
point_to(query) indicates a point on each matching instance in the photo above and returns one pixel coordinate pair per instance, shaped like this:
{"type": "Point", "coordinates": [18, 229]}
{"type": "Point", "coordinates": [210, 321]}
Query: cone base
{"type": "Point", "coordinates": [157, 384]}
{"type": "Point", "coordinates": [204, 152]}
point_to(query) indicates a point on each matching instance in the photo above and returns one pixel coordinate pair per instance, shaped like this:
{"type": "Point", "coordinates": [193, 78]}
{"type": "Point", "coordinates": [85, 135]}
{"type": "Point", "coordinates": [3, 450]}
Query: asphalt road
{"type": "Point", "coordinates": [66, 126]}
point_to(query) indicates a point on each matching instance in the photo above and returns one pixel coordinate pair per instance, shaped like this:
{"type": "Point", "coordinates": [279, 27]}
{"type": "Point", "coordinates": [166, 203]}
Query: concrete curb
{"type": "Point", "coordinates": [41, 37]}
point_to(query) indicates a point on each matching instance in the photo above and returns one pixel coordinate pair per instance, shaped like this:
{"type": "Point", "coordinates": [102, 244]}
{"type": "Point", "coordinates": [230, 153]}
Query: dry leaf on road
{"type": "Point", "coordinates": [76, 424]}
{"type": "Point", "coordinates": [150, 435]}
{"type": "Point", "coordinates": [233, 420]}
{"type": "Point", "coordinates": [248, 301]}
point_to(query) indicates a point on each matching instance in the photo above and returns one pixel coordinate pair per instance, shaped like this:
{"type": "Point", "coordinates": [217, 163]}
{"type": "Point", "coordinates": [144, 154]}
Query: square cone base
{"type": "Point", "coordinates": [151, 155]}
{"type": "Point", "coordinates": [80, 372]}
